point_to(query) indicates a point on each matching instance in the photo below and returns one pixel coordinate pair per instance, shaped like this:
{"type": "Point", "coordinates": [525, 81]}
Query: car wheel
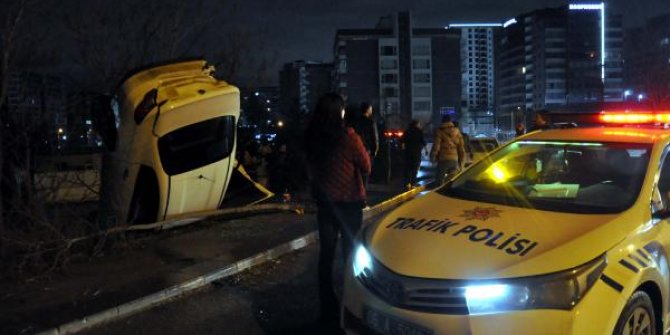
{"type": "Point", "coordinates": [637, 317]}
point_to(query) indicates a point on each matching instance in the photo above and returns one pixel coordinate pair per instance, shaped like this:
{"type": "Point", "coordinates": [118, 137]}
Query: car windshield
{"type": "Point", "coordinates": [576, 177]}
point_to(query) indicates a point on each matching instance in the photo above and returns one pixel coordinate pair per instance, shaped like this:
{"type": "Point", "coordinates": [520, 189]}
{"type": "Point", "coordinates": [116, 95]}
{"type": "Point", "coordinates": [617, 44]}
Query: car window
{"type": "Point", "coordinates": [197, 145]}
{"type": "Point", "coordinates": [582, 177]}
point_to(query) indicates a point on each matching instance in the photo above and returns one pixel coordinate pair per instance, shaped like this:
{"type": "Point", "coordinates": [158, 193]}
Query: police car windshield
{"type": "Point", "coordinates": [576, 177]}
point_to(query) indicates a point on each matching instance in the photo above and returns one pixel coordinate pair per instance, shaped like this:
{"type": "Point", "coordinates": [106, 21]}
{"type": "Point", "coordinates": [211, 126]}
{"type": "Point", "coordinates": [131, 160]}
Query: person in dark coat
{"type": "Point", "coordinates": [413, 143]}
{"type": "Point", "coordinates": [367, 129]}
{"type": "Point", "coordinates": [337, 162]}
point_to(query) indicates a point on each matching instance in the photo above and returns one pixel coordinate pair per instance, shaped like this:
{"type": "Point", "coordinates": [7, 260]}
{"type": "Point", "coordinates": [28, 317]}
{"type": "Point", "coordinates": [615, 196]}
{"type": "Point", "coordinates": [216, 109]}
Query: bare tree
{"type": "Point", "coordinates": [12, 42]}
{"type": "Point", "coordinates": [108, 39]}
{"type": "Point", "coordinates": [98, 42]}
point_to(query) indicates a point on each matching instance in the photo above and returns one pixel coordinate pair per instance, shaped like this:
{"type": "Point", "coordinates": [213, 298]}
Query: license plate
{"type": "Point", "coordinates": [389, 325]}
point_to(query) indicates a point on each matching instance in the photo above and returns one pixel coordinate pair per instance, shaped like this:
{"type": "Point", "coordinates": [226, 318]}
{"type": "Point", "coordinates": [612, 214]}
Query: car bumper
{"type": "Point", "coordinates": [589, 318]}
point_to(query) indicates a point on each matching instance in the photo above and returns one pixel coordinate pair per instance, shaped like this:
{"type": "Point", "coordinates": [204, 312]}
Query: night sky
{"type": "Point", "coordinates": [305, 29]}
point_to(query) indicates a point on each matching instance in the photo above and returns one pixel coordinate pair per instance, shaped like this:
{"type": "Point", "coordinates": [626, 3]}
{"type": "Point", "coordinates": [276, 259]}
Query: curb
{"type": "Point", "coordinates": [162, 296]}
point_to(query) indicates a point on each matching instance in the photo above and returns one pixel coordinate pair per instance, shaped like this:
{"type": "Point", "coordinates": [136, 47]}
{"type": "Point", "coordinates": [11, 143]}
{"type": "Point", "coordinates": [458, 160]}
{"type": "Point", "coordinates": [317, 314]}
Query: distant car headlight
{"type": "Point", "coordinates": [362, 260]}
{"type": "Point", "coordinates": [561, 290]}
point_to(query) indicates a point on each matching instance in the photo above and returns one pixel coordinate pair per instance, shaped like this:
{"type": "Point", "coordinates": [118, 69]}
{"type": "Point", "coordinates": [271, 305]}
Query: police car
{"type": "Point", "coordinates": [563, 231]}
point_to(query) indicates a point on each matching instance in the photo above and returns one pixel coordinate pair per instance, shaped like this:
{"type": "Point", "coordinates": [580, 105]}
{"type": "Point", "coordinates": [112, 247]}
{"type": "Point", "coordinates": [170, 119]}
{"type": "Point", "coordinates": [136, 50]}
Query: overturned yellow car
{"type": "Point", "coordinates": [563, 231]}
{"type": "Point", "coordinates": [176, 141]}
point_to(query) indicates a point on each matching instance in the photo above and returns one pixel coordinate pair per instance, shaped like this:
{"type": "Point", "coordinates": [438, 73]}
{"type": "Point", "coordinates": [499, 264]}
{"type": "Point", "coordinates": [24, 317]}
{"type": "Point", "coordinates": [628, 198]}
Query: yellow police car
{"type": "Point", "coordinates": [563, 231]}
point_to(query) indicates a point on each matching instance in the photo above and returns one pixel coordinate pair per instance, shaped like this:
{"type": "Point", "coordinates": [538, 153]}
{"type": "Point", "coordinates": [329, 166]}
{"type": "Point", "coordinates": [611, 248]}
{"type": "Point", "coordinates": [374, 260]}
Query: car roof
{"type": "Point", "coordinates": [603, 134]}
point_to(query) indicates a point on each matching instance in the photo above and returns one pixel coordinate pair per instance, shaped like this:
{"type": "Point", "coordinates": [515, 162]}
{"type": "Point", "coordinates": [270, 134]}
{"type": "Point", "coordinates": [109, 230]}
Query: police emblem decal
{"type": "Point", "coordinates": [481, 213]}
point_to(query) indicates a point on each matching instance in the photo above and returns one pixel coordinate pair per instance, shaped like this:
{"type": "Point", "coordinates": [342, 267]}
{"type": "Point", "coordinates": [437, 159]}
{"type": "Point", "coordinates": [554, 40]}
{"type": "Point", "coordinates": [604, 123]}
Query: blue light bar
{"type": "Point", "coordinates": [587, 6]}
{"type": "Point", "coordinates": [601, 8]}
{"type": "Point", "coordinates": [509, 22]}
{"type": "Point", "coordinates": [474, 25]}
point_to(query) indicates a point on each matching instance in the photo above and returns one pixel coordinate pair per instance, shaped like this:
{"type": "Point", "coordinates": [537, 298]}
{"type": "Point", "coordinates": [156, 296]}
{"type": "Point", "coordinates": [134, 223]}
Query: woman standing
{"type": "Point", "coordinates": [338, 162]}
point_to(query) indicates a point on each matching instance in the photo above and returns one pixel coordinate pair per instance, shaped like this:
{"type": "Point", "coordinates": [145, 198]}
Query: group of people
{"type": "Point", "coordinates": [448, 151]}
{"type": "Point", "coordinates": [340, 155]}
{"type": "Point", "coordinates": [541, 121]}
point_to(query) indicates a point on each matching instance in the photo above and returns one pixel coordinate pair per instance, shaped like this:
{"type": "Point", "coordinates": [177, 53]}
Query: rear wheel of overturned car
{"type": "Point", "coordinates": [638, 316]}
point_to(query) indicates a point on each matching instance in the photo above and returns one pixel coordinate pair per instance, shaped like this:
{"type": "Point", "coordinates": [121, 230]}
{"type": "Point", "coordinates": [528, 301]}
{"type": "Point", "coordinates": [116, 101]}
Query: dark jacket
{"type": "Point", "coordinates": [367, 129]}
{"type": "Point", "coordinates": [413, 141]}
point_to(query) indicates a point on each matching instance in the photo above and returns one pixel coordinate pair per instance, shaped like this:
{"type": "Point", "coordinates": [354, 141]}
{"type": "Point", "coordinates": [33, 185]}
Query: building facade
{"type": "Point", "coordinates": [404, 72]}
{"type": "Point", "coordinates": [647, 66]}
{"type": "Point", "coordinates": [477, 76]}
{"type": "Point", "coordinates": [301, 83]}
{"type": "Point", "coordinates": [560, 59]}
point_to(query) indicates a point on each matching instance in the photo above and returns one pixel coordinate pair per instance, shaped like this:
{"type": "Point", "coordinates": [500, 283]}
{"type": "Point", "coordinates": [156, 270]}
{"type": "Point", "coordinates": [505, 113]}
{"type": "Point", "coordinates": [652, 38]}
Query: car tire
{"type": "Point", "coordinates": [638, 316]}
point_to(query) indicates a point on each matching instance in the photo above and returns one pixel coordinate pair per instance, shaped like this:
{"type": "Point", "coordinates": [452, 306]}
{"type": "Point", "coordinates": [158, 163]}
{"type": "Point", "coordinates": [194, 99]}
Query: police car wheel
{"type": "Point", "coordinates": [637, 317]}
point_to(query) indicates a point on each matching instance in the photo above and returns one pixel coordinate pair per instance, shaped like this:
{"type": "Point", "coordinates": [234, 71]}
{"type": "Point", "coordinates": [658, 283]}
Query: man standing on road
{"type": "Point", "coordinates": [448, 149]}
{"type": "Point", "coordinates": [367, 130]}
{"type": "Point", "coordinates": [413, 142]}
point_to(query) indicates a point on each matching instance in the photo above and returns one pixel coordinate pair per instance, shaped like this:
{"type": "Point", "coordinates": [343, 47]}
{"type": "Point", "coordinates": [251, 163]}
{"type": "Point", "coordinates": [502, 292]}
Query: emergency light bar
{"type": "Point", "coordinates": [637, 117]}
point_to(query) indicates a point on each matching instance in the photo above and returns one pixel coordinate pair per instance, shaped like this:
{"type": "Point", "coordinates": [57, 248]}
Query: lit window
{"type": "Point", "coordinates": [421, 64]}
{"type": "Point", "coordinates": [421, 92]}
{"type": "Point", "coordinates": [422, 78]}
{"type": "Point", "coordinates": [422, 105]}
{"type": "Point", "coordinates": [388, 51]}
{"type": "Point", "coordinates": [389, 64]}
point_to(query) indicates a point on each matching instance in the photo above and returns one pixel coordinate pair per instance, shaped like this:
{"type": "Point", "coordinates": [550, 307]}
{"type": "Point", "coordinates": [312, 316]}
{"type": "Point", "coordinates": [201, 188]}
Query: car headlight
{"type": "Point", "coordinates": [561, 290]}
{"type": "Point", "coordinates": [362, 261]}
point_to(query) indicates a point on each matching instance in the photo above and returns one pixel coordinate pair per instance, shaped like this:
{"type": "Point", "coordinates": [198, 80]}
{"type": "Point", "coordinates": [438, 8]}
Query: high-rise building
{"type": "Point", "coordinates": [259, 106]}
{"type": "Point", "coordinates": [405, 72]}
{"type": "Point", "coordinates": [301, 83]}
{"type": "Point", "coordinates": [647, 67]}
{"type": "Point", "coordinates": [477, 76]}
{"type": "Point", "coordinates": [566, 58]}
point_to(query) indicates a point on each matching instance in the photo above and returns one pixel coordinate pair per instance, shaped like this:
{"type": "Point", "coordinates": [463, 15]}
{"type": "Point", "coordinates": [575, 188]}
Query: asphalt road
{"type": "Point", "coordinates": [278, 297]}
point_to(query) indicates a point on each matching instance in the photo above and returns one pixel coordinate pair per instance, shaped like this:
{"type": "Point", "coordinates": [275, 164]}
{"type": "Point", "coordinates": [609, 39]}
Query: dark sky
{"type": "Point", "coordinates": [305, 29]}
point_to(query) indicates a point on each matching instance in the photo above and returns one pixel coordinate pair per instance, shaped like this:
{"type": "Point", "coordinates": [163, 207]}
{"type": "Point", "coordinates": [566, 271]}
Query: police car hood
{"type": "Point", "coordinates": [440, 237]}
